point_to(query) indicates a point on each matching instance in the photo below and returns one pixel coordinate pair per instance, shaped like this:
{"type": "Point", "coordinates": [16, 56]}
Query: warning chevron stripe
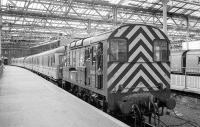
{"type": "Point", "coordinates": [121, 31]}
{"type": "Point", "coordinates": [144, 50]}
{"type": "Point", "coordinates": [165, 70]}
{"type": "Point", "coordinates": [110, 75]}
{"type": "Point", "coordinates": [158, 33]}
{"type": "Point", "coordinates": [127, 31]}
{"type": "Point", "coordinates": [137, 39]}
{"type": "Point", "coordinates": [166, 82]}
{"type": "Point", "coordinates": [125, 74]}
{"type": "Point", "coordinates": [150, 70]}
{"type": "Point", "coordinates": [161, 71]}
{"type": "Point", "coordinates": [140, 70]}
{"type": "Point", "coordinates": [133, 31]}
{"type": "Point", "coordinates": [111, 86]}
{"type": "Point", "coordinates": [140, 49]}
{"type": "Point", "coordinates": [167, 67]}
{"type": "Point", "coordinates": [140, 87]}
{"type": "Point", "coordinates": [111, 67]}
{"type": "Point", "coordinates": [140, 43]}
{"type": "Point", "coordinates": [153, 32]}
{"type": "Point", "coordinates": [141, 67]}
{"type": "Point", "coordinates": [140, 31]}
{"type": "Point", "coordinates": [116, 75]}
{"type": "Point", "coordinates": [148, 32]}
{"type": "Point", "coordinates": [135, 79]}
{"type": "Point", "coordinates": [156, 77]}
{"type": "Point", "coordinates": [145, 83]}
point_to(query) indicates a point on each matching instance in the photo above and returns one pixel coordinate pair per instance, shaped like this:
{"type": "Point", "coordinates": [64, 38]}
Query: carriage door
{"type": "Point", "coordinates": [93, 68]}
{"type": "Point", "coordinates": [60, 66]}
{"type": "Point", "coordinates": [97, 65]}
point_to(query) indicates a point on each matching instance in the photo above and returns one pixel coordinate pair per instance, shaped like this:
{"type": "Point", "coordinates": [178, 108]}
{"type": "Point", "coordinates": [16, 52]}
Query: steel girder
{"type": "Point", "coordinates": [77, 15]}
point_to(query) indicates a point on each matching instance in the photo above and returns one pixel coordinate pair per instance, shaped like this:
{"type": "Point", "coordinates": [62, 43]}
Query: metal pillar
{"type": "Point", "coordinates": [89, 27]}
{"type": "Point", "coordinates": [115, 16]}
{"type": "Point", "coordinates": [0, 28]}
{"type": "Point", "coordinates": [188, 27]}
{"type": "Point", "coordinates": [165, 16]}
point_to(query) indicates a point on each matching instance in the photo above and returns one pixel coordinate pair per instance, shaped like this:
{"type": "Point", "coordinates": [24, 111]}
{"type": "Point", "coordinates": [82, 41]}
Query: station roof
{"type": "Point", "coordinates": [38, 20]}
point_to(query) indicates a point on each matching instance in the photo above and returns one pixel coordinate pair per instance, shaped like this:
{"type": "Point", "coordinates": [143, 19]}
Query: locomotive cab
{"type": "Point", "coordinates": [120, 69]}
{"type": "Point", "coordinates": [138, 69]}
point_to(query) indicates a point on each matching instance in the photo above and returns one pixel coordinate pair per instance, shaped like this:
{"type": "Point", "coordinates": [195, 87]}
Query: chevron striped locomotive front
{"type": "Point", "coordinates": [124, 71]}
{"type": "Point", "coordinates": [138, 69]}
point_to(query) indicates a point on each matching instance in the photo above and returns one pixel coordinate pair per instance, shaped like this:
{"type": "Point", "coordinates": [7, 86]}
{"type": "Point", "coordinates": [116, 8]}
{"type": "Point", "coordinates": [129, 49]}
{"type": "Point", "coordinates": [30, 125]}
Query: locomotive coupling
{"type": "Point", "coordinates": [143, 100]}
{"type": "Point", "coordinates": [163, 99]}
{"type": "Point", "coordinates": [146, 101]}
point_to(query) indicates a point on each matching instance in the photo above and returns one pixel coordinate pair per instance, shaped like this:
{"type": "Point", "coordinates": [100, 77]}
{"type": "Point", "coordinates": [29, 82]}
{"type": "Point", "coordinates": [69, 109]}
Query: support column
{"type": "Point", "coordinates": [188, 32]}
{"type": "Point", "coordinates": [165, 16]}
{"type": "Point", "coordinates": [188, 27]}
{"type": "Point", "coordinates": [115, 16]}
{"type": "Point", "coordinates": [0, 28]}
{"type": "Point", "coordinates": [89, 27]}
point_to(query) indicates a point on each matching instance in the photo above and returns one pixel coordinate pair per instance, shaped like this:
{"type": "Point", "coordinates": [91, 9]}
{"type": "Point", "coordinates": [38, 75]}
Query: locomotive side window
{"type": "Point", "coordinates": [87, 53]}
{"type": "Point", "coordinates": [118, 50]}
{"type": "Point", "coordinates": [82, 57]}
{"type": "Point", "coordinates": [71, 58]}
{"type": "Point", "coordinates": [68, 58]}
{"type": "Point", "coordinates": [77, 58]}
{"type": "Point", "coordinates": [100, 66]}
{"type": "Point", "coordinates": [161, 51]}
{"type": "Point", "coordinates": [74, 58]}
{"type": "Point", "coordinates": [94, 53]}
{"type": "Point", "coordinates": [53, 60]}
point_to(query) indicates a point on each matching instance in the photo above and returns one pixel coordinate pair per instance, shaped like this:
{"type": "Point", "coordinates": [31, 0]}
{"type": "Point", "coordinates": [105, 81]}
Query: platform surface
{"type": "Point", "coordinates": [27, 100]}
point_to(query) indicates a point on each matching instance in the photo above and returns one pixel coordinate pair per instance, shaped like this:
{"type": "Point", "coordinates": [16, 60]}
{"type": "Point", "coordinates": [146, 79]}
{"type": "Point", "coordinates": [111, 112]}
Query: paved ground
{"type": "Point", "coordinates": [27, 100]}
{"type": "Point", "coordinates": [186, 113]}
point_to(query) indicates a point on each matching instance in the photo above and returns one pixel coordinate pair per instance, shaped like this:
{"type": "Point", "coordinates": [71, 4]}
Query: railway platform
{"type": "Point", "coordinates": [185, 83]}
{"type": "Point", "coordinates": [27, 100]}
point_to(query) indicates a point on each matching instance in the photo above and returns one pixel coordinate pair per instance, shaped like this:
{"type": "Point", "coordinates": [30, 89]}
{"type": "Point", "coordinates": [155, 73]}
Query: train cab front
{"type": "Point", "coordinates": [138, 70]}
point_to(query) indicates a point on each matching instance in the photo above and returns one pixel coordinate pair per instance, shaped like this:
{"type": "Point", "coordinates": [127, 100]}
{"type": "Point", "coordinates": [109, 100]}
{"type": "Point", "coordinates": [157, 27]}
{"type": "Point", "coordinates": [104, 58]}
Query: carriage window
{"type": "Point", "coordinates": [161, 50]}
{"type": "Point", "coordinates": [77, 57]}
{"type": "Point", "coordinates": [118, 50]}
{"type": "Point", "coordinates": [87, 53]}
{"type": "Point", "coordinates": [68, 58]}
{"type": "Point", "coordinates": [74, 58]}
{"type": "Point", "coordinates": [82, 57]}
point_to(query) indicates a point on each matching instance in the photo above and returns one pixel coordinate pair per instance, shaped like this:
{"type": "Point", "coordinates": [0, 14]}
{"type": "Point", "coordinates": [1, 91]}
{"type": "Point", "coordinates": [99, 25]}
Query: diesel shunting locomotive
{"type": "Point", "coordinates": [125, 71]}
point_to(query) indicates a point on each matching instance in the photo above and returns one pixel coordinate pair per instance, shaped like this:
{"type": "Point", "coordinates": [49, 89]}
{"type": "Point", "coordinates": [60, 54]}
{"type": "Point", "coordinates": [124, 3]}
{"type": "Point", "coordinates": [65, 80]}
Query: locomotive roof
{"type": "Point", "coordinates": [90, 40]}
{"type": "Point", "coordinates": [97, 38]}
{"type": "Point", "coordinates": [105, 36]}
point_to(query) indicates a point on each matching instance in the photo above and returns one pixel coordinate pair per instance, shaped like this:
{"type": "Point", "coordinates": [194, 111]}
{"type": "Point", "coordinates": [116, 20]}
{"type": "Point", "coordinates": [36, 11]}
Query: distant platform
{"type": "Point", "coordinates": [27, 100]}
{"type": "Point", "coordinates": [190, 84]}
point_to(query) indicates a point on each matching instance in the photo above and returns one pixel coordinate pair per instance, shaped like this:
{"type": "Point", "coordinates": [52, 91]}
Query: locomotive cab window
{"type": "Point", "coordinates": [161, 52]}
{"type": "Point", "coordinates": [118, 50]}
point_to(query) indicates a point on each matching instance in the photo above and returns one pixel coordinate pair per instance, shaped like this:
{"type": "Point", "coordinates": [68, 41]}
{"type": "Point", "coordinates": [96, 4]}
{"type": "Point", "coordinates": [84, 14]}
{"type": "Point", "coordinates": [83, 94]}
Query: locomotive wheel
{"type": "Point", "coordinates": [137, 116]}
